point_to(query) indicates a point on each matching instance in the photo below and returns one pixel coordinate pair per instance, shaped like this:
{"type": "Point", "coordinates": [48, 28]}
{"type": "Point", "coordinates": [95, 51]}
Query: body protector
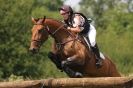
{"type": "Point", "coordinates": [87, 30]}
{"type": "Point", "coordinates": [84, 23]}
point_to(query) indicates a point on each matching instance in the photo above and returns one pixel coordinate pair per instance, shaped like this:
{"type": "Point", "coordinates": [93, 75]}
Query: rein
{"type": "Point", "coordinates": [57, 29]}
{"type": "Point", "coordinates": [59, 45]}
{"type": "Point", "coordinates": [52, 34]}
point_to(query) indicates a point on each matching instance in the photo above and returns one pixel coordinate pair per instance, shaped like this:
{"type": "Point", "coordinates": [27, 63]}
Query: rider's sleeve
{"type": "Point", "coordinates": [78, 21]}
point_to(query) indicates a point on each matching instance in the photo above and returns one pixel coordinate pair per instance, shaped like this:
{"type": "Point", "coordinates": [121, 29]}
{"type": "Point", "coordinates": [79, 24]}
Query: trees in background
{"type": "Point", "coordinates": [114, 22]}
{"type": "Point", "coordinates": [97, 9]}
{"type": "Point", "coordinates": [15, 34]}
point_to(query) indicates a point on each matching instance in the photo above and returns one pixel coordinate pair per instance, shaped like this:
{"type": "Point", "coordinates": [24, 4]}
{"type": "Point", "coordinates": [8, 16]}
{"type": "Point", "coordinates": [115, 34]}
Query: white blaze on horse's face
{"type": "Point", "coordinates": [39, 35]}
{"type": "Point", "coordinates": [37, 32]}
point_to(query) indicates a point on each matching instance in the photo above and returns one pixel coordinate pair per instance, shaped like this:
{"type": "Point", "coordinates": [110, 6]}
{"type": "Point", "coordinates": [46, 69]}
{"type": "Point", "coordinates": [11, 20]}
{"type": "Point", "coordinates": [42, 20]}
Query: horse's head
{"type": "Point", "coordinates": [39, 34]}
{"type": "Point", "coordinates": [44, 27]}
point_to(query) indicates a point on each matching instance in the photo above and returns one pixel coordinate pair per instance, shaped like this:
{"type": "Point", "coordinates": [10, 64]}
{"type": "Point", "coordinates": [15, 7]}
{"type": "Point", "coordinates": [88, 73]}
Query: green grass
{"type": "Point", "coordinates": [119, 48]}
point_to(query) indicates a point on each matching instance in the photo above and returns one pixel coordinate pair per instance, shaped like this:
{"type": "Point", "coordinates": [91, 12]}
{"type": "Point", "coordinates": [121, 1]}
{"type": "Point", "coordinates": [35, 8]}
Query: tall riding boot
{"type": "Point", "coordinates": [98, 58]}
{"type": "Point", "coordinates": [86, 38]}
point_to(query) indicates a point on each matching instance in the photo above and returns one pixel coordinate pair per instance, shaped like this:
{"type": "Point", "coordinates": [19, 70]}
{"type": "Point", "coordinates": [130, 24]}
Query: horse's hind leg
{"type": "Point", "coordinates": [66, 64]}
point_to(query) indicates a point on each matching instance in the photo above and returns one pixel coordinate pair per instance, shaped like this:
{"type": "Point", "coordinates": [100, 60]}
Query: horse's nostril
{"type": "Point", "coordinates": [33, 50]}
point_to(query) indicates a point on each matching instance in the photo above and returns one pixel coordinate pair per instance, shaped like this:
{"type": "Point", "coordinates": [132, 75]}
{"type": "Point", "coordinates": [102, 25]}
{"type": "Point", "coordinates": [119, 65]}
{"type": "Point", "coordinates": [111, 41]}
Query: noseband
{"type": "Point", "coordinates": [38, 41]}
{"type": "Point", "coordinates": [47, 29]}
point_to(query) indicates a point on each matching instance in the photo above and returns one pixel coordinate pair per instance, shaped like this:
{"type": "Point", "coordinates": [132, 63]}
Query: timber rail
{"type": "Point", "coordinates": [100, 82]}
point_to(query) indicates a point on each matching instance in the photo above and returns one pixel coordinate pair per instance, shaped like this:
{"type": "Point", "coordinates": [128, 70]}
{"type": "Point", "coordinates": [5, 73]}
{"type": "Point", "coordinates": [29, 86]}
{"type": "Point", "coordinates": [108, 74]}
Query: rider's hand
{"type": "Point", "coordinates": [65, 25]}
{"type": "Point", "coordinates": [69, 28]}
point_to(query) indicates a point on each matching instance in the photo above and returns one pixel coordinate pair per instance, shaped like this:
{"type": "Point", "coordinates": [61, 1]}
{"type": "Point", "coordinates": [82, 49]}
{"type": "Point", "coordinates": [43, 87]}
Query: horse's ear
{"type": "Point", "coordinates": [33, 20]}
{"type": "Point", "coordinates": [44, 19]}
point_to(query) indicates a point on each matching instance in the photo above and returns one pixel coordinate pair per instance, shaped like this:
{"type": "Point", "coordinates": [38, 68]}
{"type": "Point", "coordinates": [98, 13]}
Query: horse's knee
{"type": "Point", "coordinates": [52, 56]}
{"type": "Point", "coordinates": [55, 59]}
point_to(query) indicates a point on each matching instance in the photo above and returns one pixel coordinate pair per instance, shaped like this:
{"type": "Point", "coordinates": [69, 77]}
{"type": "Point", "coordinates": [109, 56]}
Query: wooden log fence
{"type": "Point", "coordinates": [100, 82]}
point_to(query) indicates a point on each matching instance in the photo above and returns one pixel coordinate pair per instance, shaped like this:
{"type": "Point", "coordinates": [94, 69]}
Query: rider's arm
{"type": "Point", "coordinates": [76, 25]}
{"type": "Point", "coordinates": [75, 29]}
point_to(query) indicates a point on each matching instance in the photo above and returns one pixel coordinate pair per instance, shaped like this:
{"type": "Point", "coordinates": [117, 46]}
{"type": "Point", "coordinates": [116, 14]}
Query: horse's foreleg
{"type": "Point", "coordinates": [55, 59]}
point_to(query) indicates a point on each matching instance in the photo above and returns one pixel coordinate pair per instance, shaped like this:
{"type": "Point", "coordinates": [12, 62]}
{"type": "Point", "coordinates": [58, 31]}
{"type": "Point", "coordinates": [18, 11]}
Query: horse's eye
{"type": "Point", "coordinates": [40, 31]}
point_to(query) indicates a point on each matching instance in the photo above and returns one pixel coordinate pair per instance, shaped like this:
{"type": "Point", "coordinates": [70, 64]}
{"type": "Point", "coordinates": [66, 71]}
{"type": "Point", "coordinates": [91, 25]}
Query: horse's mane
{"type": "Point", "coordinates": [55, 20]}
{"type": "Point", "coordinates": [39, 20]}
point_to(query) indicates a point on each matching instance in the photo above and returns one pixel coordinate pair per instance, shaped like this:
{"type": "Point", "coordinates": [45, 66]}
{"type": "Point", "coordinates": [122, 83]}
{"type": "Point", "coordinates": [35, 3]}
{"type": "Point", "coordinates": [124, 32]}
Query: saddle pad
{"type": "Point", "coordinates": [102, 56]}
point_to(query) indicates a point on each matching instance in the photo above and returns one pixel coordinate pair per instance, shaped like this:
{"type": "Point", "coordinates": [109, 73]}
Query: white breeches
{"type": "Point", "coordinates": [92, 35]}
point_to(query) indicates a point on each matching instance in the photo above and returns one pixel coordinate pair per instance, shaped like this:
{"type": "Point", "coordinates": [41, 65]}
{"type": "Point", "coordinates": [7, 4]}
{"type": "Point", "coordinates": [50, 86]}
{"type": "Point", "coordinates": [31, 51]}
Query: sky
{"type": "Point", "coordinates": [73, 3]}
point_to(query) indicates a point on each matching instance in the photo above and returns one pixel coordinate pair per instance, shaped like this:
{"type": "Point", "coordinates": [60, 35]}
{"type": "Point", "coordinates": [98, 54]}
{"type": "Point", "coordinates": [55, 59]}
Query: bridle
{"type": "Point", "coordinates": [52, 34]}
{"type": "Point", "coordinates": [48, 30]}
{"type": "Point", "coordinates": [40, 42]}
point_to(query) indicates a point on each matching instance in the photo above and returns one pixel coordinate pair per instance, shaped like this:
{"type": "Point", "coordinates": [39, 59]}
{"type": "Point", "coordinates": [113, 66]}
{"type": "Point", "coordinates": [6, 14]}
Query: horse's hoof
{"type": "Point", "coordinates": [78, 75]}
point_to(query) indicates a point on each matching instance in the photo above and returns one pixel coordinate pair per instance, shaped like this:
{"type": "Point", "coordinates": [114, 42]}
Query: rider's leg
{"type": "Point", "coordinates": [71, 62]}
{"type": "Point", "coordinates": [94, 47]}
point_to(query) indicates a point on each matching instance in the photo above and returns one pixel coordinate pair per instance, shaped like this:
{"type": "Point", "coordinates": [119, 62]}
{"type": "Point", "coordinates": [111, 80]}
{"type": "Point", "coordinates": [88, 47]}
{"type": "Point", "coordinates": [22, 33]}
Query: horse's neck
{"type": "Point", "coordinates": [57, 28]}
{"type": "Point", "coordinates": [62, 35]}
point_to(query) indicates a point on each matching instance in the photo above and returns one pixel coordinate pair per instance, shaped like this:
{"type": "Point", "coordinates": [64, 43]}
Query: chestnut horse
{"type": "Point", "coordinates": [69, 48]}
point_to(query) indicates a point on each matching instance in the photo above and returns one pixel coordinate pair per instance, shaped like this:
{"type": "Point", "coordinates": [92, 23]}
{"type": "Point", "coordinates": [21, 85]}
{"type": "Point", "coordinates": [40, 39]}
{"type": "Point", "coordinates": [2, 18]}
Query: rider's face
{"type": "Point", "coordinates": [64, 14]}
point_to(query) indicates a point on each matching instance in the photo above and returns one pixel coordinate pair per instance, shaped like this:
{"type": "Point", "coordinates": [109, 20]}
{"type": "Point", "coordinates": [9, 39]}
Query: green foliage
{"type": "Point", "coordinates": [14, 78]}
{"type": "Point", "coordinates": [15, 34]}
{"type": "Point", "coordinates": [114, 24]}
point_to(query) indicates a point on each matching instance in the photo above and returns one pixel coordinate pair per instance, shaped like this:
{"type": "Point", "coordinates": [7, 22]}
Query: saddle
{"type": "Point", "coordinates": [85, 41]}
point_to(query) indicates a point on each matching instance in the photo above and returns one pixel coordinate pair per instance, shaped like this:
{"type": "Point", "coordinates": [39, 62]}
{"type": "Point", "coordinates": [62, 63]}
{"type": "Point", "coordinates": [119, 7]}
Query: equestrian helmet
{"type": "Point", "coordinates": [66, 8]}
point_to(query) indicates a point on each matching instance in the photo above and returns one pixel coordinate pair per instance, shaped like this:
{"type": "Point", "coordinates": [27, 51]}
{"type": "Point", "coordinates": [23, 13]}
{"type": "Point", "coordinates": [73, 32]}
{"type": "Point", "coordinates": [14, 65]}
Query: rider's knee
{"type": "Point", "coordinates": [93, 44]}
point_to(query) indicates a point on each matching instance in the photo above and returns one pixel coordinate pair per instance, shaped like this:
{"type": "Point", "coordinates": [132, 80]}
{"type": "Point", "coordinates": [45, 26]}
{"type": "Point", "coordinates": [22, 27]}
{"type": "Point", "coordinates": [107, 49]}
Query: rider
{"type": "Point", "coordinates": [78, 23]}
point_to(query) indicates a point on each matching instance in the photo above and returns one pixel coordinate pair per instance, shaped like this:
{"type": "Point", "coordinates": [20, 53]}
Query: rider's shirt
{"type": "Point", "coordinates": [78, 21]}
